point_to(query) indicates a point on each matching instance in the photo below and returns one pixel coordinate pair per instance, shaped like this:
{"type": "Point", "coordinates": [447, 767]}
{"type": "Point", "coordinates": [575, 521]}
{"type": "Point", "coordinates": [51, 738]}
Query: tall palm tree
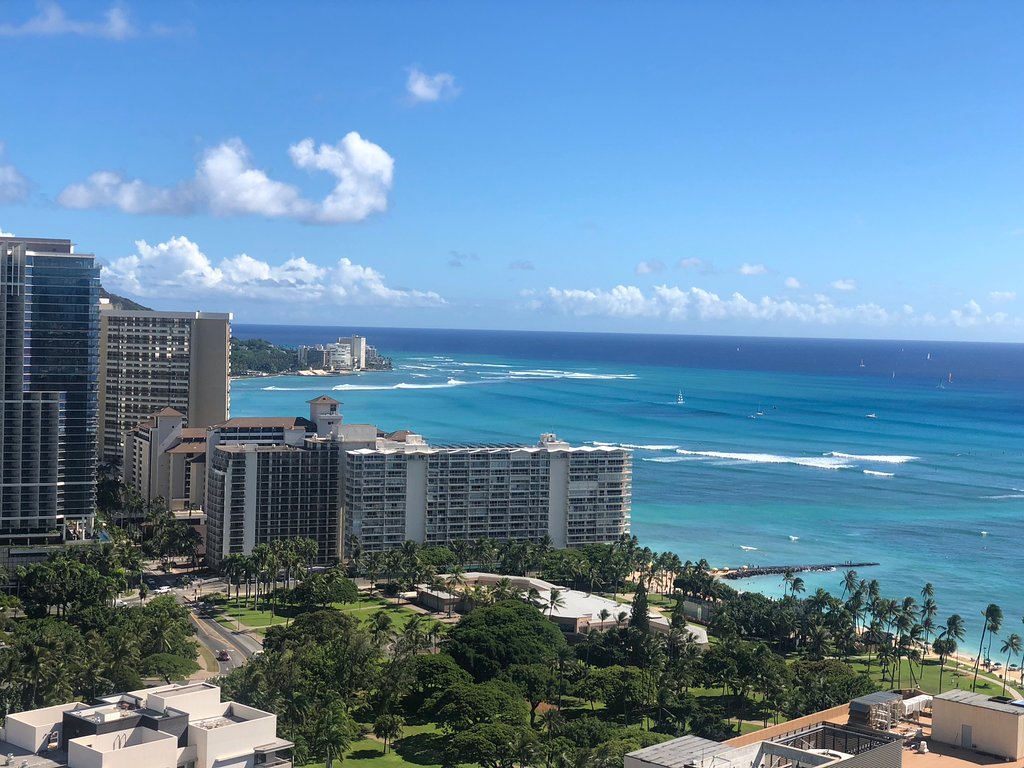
{"type": "Point", "coordinates": [556, 599]}
{"type": "Point", "coordinates": [797, 585]}
{"type": "Point", "coordinates": [993, 616]}
{"type": "Point", "coordinates": [1011, 647]}
{"type": "Point", "coordinates": [453, 581]}
{"type": "Point", "coordinates": [951, 634]}
{"type": "Point", "coordinates": [849, 583]}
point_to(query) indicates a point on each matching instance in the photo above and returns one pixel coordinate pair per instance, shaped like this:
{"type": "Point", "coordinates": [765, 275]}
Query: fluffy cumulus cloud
{"type": "Point", "coordinates": [844, 285]}
{"type": "Point", "coordinates": [649, 267]}
{"type": "Point", "coordinates": [423, 87]}
{"type": "Point", "coordinates": [178, 268]}
{"type": "Point", "coordinates": [51, 21]}
{"type": "Point", "coordinates": [753, 269]}
{"type": "Point", "coordinates": [672, 303]}
{"type": "Point", "coordinates": [14, 186]}
{"type": "Point", "coordinates": [1003, 295]}
{"type": "Point", "coordinates": [5, 234]}
{"type": "Point", "coordinates": [792, 282]}
{"type": "Point", "coordinates": [227, 183]}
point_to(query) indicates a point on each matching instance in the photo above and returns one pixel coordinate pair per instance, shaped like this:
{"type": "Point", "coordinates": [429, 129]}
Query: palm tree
{"type": "Point", "coordinates": [993, 616]}
{"type": "Point", "coordinates": [1011, 647]}
{"type": "Point", "coordinates": [556, 599]}
{"type": "Point", "coordinates": [388, 728]}
{"type": "Point", "coordinates": [797, 585]}
{"type": "Point", "coordinates": [452, 583]}
{"type": "Point", "coordinates": [849, 583]}
{"type": "Point", "coordinates": [372, 564]}
{"type": "Point", "coordinates": [951, 634]}
{"type": "Point", "coordinates": [787, 580]}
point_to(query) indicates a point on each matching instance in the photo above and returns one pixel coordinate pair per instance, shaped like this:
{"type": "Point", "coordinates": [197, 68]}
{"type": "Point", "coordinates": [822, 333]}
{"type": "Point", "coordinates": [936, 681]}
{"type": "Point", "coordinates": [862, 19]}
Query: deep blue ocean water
{"type": "Point", "coordinates": [932, 487]}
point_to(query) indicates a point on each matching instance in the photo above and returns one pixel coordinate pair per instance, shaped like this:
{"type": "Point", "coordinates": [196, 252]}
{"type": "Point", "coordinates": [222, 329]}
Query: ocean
{"type": "Point", "coordinates": [785, 451]}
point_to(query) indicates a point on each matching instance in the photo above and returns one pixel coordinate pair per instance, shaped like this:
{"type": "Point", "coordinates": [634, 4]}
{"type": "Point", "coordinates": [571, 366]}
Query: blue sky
{"type": "Point", "coordinates": [812, 169]}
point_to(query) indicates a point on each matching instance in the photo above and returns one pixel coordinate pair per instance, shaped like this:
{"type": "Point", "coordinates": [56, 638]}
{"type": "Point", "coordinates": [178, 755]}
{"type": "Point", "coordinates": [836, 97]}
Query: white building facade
{"type": "Point", "coordinates": [173, 726]}
{"type": "Point", "coordinates": [405, 489]}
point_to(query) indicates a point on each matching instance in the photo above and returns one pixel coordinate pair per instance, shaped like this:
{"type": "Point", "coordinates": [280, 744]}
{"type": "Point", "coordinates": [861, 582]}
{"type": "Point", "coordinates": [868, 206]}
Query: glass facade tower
{"type": "Point", "coordinates": [49, 366]}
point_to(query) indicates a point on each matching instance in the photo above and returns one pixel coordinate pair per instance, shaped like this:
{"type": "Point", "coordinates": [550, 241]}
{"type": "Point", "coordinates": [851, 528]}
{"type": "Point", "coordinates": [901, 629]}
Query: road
{"type": "Point", "coordinates": [213, 635]}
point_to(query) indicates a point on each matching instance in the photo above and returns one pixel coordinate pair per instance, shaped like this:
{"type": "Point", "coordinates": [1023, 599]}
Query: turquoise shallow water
{"type": "Point", "coordinates": [913, 488]}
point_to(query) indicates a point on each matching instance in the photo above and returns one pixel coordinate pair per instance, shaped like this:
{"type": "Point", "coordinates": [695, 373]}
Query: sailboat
{"type": "Point", "coordinates": [861, 363]}
{"type": "Point", "coordinates": [680, 400]}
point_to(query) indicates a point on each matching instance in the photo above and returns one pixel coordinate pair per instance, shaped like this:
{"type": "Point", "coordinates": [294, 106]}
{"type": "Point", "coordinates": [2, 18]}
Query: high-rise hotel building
{"type": "Point", "coordinates": [49, 327]}
{"type": "Point", "coordinates": [155, 360]}
{"type": "Point", "coordinates": [402, 488]}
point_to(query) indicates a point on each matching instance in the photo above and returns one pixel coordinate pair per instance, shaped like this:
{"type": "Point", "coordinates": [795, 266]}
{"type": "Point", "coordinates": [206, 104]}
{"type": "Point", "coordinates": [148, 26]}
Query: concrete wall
{"type": "Point", "coordinates": [124, 749]}
{"type": "Point", "coordinates": [416, 498]}
{"type": "Point", "coordinates": [992, 731]}
{"type": "Point", "coordinates": [198, 704]}
{"type": "Point", "coordinates": [231, 746]}
{"type": "Point", "coordinates": [558, 500]}
{"type": "Point", "coordinates": [28, 730]}
{"type": "Point", "coordinates": [209, 371]}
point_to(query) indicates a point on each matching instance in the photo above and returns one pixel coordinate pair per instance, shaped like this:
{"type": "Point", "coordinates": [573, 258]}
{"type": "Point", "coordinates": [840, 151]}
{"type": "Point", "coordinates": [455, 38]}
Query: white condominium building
{"type": "Point", "coordinates": [404, 489]}
{"type": "Point", "coordinates": [155, 360]}
{"type": "Point", "coordinates": [172, 726]}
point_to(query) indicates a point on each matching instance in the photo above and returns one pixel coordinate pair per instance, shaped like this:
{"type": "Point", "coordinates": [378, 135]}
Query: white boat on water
{"type": "Point", "coordinates": [794, 538]}
{"type": "Point", "coordinates": [871, 416]}
{"type": "Point", "coordinates": [680, 400]}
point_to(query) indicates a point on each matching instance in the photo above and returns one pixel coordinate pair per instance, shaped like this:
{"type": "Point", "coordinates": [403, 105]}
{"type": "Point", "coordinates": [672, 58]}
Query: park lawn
{"type": "Point", "coordinates": [369, 753]}
{"type": "Point", "coordinates": [928, 679]}
{"type": "Point", "coordinates": [247, 616]}
{"type": "Point", "coordinates": [364, 609]}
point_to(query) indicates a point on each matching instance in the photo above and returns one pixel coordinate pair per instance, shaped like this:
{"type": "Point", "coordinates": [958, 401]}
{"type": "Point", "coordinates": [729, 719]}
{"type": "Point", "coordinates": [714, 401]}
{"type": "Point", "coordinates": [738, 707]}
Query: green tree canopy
{"type": "Point", "coordinates": [496, 637]}
{"type": "Point", "coordinates": [469, 704]}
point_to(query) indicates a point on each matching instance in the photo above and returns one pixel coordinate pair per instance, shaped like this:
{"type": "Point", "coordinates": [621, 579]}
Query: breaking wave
{"type": "Point", "coordinates": [874, 473]}
{"type": "Point", "coordinates": [873, 459]}
{"type": "Point", "coordinates": [401, 385]}
{"type": "Point", "coordinates": [648, 447]}
{"type": "Point", "coordinates": [817, 462]}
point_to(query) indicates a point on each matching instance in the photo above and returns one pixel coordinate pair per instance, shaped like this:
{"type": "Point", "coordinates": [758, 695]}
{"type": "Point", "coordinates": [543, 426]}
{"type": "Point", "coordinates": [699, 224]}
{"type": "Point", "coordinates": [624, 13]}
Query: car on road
{"type": "Point", "coordinates": [223, 655]}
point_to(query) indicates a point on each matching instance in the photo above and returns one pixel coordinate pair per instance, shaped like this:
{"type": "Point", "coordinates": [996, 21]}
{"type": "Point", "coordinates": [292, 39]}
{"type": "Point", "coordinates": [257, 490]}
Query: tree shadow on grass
{"type": "Point", "coordinates": [422, 748]}
{"type": "Point", "coordinates": [365, 754]}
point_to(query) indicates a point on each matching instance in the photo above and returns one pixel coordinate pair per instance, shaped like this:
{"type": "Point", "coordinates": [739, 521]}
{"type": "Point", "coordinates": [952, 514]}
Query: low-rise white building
{"type": "Point", "coordinates": [173, 726]}
{"type": "Point", "coordinates": [575, 612]}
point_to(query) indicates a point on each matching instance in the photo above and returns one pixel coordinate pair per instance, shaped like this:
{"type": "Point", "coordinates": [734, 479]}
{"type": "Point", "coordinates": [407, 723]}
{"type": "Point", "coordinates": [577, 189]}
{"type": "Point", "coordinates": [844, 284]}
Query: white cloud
{"type": "Point", "coordinates": [753, 269]}
{"type": "Point", "coordinates": [14, 187]}
{"type": "Point", "coordinates": [226, 183]}
{"type": "Point", "coordinates": [1003, 295]}
{"type": "Point", "coordinates": [792, 282]}
{"type": "Point", "coordinates": [672, 303]}
{"type": "Point", "coordinates": [690, 263]}
{"type": "Point", "coordinates": [51, 21]}
{"type": "Point", "coordinates": [178, 268]}
{"type": "Point", "coordinates": [108, 189]}
{"type": "Point", "coordinates": [423, 87]}
{"type": "Point", "coordinates": [6, 234]}
{"type": "Point", "coordinates": [524, 265]}
{"type": "Point", "coordinates": [649, 267]}
{"type": "Point", "coordinates": [844, 285]}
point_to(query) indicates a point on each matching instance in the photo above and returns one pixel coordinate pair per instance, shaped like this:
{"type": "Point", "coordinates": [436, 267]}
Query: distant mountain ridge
{"type": "Point", "coordinates": [120, 302]}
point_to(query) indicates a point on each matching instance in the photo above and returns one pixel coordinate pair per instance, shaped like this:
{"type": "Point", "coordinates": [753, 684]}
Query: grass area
{"type": "Point", "coordinates": [231, 615]}
{"type": "Point", "coordinates": [364, 609]}
{"type": "Point", "coordinates": [416, 748]}
{"type": "Point", "coordinates": [927, 677]}
{"type": "Point", "coordinates": [248, 616]}
{"type": "Point", "coordinates": [207, 661]}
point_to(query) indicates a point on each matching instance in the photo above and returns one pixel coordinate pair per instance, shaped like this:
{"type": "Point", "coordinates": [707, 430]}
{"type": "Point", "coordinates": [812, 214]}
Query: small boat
{"type": "Point", "coordinates": [929, 356]}
{"type": "Point", "coordinates": [984, 533]}
{"type": "Point", "coordinates": [748, 549]}
{"type": "Point", "coordinates": [949, 379]}
{"type": "Point", "coordinates": [794, 538]}
{"type": "Point", "coordinates": [680, 400]}
{"type": "Point", "coordinates": [871, 416]}
{"type": "Point", "coordinates": [760, 411]}
{"type": "Point", "coordinates": [861, 363]}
